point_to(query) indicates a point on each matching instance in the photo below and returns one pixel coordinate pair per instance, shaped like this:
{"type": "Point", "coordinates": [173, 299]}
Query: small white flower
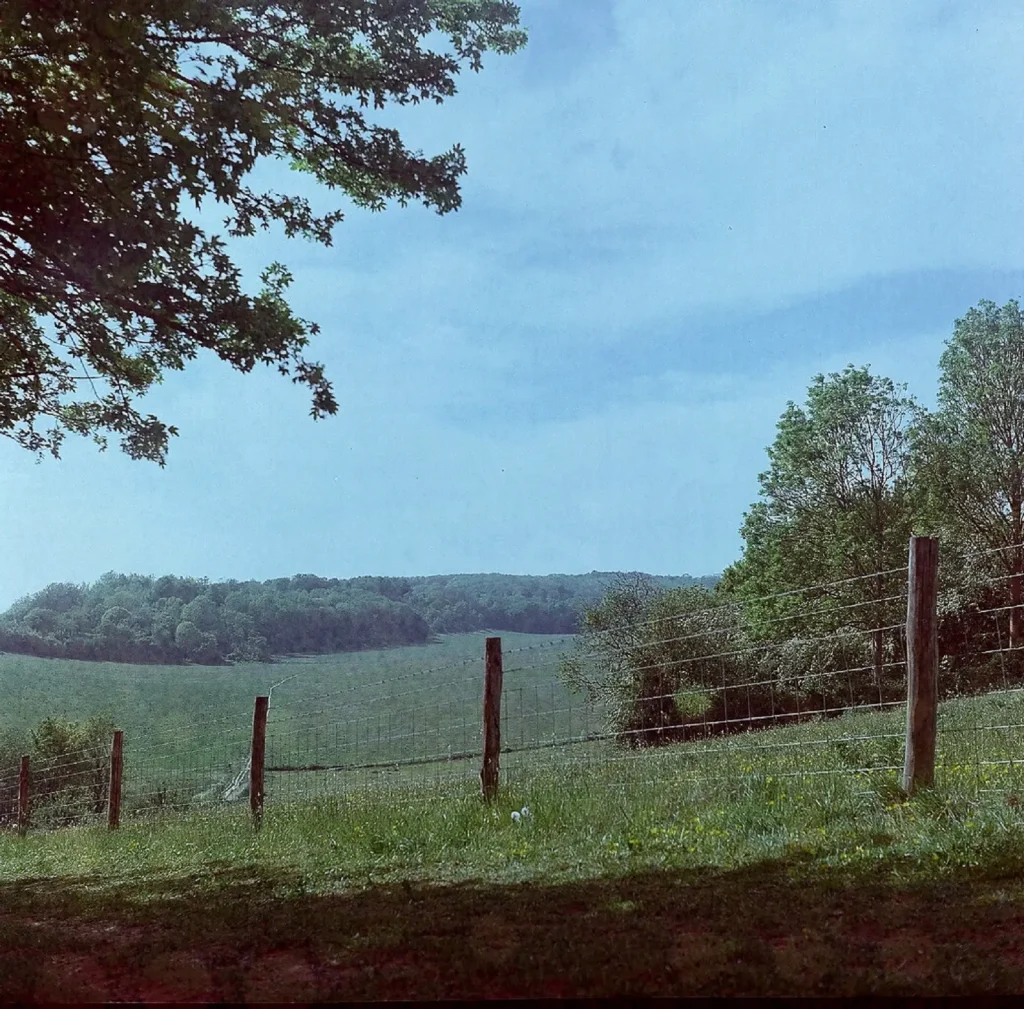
{"type": "Point", "coordinates": [516, 816]}
{"type": "Point", "coordinates": [526, 811]}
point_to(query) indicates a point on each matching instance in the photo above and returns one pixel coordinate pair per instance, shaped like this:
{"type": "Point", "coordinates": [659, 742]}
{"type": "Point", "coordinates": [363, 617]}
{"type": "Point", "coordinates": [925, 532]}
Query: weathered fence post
{"type": "Point", "coordinates": [116, 768]}
{"type": "Point", "coordinates": [259, 750]}
{"type": "Point", "coordinates": [23, 796]}
{"type": "Point", "coordinates": [492, 719]}
{"type": "Point", "coordinates": [922, 663]}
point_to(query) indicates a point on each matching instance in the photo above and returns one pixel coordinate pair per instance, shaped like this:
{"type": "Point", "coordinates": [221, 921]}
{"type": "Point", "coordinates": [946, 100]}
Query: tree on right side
{"type": "Point", "coordinates": [835, 513]}
{"type": "Point", "coordinates": [969, 457]}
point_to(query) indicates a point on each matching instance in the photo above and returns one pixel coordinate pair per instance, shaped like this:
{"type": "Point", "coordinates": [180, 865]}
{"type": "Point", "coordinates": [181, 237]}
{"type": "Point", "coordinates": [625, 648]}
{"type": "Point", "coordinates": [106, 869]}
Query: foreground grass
{"type": "Point", "coordinates": [757, 864]}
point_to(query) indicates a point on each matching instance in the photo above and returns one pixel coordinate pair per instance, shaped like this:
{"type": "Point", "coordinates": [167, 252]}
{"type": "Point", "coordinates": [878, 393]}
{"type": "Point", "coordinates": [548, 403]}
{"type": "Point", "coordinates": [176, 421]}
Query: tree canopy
{"type": "Point", "coordinates": [117, 114]}
{"type": "Point", "coordinates": [970, 452]}
{"type": "Point", "coordinates": [137, 618]}
{"type": "Point", "coordinates": [836, 505]}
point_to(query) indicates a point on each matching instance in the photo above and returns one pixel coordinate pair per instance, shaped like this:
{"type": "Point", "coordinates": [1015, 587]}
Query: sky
{"type": "Point", "coordinates": [675, 216]}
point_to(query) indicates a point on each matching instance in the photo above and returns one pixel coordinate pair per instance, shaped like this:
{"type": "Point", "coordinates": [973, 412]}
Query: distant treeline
{"type": "Point", "coordinates": [137, 618]}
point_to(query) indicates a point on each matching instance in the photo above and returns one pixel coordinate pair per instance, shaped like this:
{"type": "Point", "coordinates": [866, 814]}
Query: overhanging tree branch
{"type": "Point", "coordinates": [103, 135]}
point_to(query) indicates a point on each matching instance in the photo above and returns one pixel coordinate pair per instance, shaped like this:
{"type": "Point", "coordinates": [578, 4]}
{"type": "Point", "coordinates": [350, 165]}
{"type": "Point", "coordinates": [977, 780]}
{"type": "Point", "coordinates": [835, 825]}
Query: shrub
{"type": "Point", "coordinates": [70, 770]}
{"type": "Point", "coordinates": [654, 658]}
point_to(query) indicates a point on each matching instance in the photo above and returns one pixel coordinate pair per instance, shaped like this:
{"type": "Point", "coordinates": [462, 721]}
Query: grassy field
{"type": "Point", "coordinates": [411, 716]}
{"type": "Point", "coordinates": [759, 864]}
{"type": "Point", "coordinates": [152, 700]}
{"type": "Point", "coordinates": [395, 714]}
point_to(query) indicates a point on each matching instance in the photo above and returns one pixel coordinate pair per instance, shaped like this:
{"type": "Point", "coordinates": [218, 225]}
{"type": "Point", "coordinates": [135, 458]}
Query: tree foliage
{"type": "Point", "coordinates": [640, 654]}
{"type": "Point", "coordinates": [837, 509]}
{"type": "Point", "coordinates": [970, 453]}
{"type": "Point", "coordinates": [71, 769]}
{"type": "Point", "coordinates": [548, 604]}
{"type": "Point", "coordinates": [133, 618]}
{"type": "Point", "coordinates": [668, 665]}
{"type": "Point", "coordinates": [114, 116]}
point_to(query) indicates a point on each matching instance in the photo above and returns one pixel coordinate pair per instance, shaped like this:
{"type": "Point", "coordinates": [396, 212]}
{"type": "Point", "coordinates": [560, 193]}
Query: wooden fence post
{"type": "Point", "coordinates": [116, 768]}
{"type": "Point", "coordinates": [259, 750]}
{"type": "Point", "coordinates": [492, 719]}
{"type": "Point", "coordinates": [922, 663]}
{"type": "Point", "coordinates": [23, 796]}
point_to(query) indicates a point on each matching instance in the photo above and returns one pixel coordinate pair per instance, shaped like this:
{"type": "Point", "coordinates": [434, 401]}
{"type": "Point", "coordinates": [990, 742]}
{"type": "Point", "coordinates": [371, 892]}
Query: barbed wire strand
{"type": "Point", "coordinates": [987, 580]}
{"type": "Point", "coordinates": [763, 646]}
{"type": "Point", "coordinates": [749, 601]}
{"type": "Point", "coordinates": [711, 631]}
{"type": "Point", "coordinates": [992, 550]}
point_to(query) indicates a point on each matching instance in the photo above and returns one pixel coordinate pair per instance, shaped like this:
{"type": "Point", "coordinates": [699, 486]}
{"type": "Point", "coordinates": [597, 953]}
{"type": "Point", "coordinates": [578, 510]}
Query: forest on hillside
{"type": "Point", "coordinates": [170, 619]}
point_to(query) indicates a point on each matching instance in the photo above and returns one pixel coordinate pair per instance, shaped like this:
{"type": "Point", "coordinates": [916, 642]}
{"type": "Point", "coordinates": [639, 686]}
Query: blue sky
{"type": "Point", "coordinates": [675, 216]}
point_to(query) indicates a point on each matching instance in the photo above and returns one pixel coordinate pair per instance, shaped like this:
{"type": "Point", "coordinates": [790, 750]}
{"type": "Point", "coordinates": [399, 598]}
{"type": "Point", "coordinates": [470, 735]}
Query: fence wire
{"type": "Point", "coordinates": [407, 743]}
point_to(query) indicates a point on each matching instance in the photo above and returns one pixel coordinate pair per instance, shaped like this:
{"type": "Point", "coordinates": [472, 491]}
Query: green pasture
{"type": "Point", "coordinates": [407, 722]}
{"type": "Point", "coordinates": [394, 715]}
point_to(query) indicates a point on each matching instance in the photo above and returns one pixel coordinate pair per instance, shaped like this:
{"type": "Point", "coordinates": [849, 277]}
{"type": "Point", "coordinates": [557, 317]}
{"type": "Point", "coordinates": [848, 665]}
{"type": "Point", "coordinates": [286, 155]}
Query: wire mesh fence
{"type": "Point", "coordinates": [980, 744]}
{"type": "Point", "coordinates": [66, 789]}
{"type": "Point", "coordinates": [161, 777]}
{"type": "Point", "coordinates": [806, 686]}
{"type": "Point", "coordinates": [376, 739]}
{"type": "Point", "coordinates": [711, 725]}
